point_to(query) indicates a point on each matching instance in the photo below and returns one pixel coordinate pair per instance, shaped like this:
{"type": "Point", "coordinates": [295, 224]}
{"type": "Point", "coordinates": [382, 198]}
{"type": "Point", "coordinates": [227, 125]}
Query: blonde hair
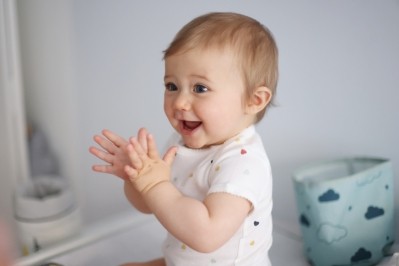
{"type": "Point", "coordinates": [252, 42]}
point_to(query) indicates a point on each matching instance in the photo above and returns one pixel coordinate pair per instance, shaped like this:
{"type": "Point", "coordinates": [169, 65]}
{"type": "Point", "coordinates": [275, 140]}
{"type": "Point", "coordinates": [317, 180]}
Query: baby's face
{"type": "Point", "coordinates": [204, 96]}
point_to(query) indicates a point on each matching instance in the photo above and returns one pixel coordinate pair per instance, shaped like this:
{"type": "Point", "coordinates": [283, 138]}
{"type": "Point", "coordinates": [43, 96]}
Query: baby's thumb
{"type": "Point", "coordinates": [170, 155]}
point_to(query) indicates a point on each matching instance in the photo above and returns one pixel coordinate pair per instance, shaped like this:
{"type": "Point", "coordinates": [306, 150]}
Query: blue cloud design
{"type": "Point", "coordinates": [304, 220]}
{"type": "Point", "coordinates": [361, 254]}
{"type": "Point", "coordinates": [373, 212]}
{"type": "Point", "coordinates": [329, 195]}
{"type": "Point", "coordinates": [329, 233]}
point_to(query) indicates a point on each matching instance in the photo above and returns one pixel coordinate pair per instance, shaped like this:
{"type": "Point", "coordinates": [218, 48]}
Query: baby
{"type": "Point", "coordinates": [212, 190]}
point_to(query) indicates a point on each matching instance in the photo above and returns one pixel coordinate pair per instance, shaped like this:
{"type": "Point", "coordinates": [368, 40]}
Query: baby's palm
{"type": "Point", "coordinates": [146, 168]}
{"type": "Point", "coordinates": [114, 153]}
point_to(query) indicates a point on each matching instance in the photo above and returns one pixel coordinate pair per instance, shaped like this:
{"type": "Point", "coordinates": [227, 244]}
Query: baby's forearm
{"type": "Point", "coordinates": [188, 219]}
{"type": "Point", "coordinates": [135, 198]}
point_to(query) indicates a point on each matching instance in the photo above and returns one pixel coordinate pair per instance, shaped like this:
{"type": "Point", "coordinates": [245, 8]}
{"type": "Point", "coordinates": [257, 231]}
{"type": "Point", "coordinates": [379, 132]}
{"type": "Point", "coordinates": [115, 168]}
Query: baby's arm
{"type": "Point", "coordinates": [114, 153]}
{"type": "Point", "coordinates": [203, 226]}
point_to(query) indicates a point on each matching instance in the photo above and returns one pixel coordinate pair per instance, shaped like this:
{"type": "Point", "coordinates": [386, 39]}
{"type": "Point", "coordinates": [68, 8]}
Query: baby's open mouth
{"type": "Point", "coordinates": [191, 125]}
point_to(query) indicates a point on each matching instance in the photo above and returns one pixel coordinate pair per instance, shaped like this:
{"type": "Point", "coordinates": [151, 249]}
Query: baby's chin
{"type": "Point", "coordinates": [194, 146]}
{"type": "Point", "coordinates": [198, 146]}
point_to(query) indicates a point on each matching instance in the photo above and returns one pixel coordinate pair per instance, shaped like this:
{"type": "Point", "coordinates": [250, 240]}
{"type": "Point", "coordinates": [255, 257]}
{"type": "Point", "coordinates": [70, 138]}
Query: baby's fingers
{"type": "Point", "coordinates": [106, 157]}
{"type": "Point", "coordinates": [152, 147]}
{"type": "Point", "coordinates": [114, 138]}
{"type": "Point", "coordinates": [170, 155]}
{"type": "Point", "coordinates": [131, 172]}
{"type": "Point", "coordinates": [108, 169]}
{"type": "Point", "coordinates": [142, 138]}
{"type": "Point", "coordinates": [141, 152]}
{"type": "Point", "coordinates": [134, 157]}
{"type": "Point", "coordinates": [105, 144]}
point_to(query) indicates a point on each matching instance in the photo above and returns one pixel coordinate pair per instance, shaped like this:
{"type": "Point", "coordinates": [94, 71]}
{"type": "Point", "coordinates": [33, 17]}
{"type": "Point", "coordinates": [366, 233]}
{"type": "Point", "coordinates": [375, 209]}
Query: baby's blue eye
{"type": "Point", "coordinates": [200, 88]}
{"type": "Point", "coordinates": [171, 87]}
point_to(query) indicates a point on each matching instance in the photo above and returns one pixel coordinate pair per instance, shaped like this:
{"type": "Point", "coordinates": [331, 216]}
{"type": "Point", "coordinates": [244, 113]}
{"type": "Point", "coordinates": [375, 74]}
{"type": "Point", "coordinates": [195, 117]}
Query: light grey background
{"type": "Point", "coordinates": [90, 65]}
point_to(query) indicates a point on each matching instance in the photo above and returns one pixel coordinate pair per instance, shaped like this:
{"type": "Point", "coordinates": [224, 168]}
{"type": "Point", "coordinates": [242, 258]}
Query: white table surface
{"type": "Point", "coordinates": [131, 238]}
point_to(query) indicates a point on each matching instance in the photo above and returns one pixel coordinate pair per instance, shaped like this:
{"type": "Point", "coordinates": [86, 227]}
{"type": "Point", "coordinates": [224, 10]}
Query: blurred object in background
{"type": "Point", "coordinates": [346, 210]}
{"type": "Point", "coordinates": [45, 206]}
{"type": "Point", "coordinates": [42, 159]}
{"type": "Point", "coordinates": [45, 213]}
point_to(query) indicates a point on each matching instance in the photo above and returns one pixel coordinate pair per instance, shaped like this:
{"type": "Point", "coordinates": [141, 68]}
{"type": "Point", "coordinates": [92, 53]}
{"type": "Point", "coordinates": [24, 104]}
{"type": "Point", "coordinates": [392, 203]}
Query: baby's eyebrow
{"type": "Point", "coordinates": [191, 76]}
{"type": "Point", "coordinates": [199, 76]}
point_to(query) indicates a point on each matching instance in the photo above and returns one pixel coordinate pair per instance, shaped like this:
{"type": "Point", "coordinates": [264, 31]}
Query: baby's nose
{"type": "Point", "coordinates": [182, 102]}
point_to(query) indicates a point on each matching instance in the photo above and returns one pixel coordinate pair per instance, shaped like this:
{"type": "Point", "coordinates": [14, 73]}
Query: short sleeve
{"type": "Point", "coordinates": [242, 174]}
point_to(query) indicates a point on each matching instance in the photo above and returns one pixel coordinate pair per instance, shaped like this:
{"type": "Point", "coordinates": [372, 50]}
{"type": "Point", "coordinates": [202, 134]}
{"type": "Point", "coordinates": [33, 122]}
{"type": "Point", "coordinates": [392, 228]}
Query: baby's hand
{"type": "Point", "coordinates": [115, 152]}
{"type": "Point", "coordinates": [146, 168]}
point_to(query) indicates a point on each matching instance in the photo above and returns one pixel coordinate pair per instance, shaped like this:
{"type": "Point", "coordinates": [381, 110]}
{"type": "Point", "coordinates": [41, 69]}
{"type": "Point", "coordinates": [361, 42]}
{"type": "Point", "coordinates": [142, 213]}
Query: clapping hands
{"type": "Point", "coordinates": [147, 168]}
{"type": "Point", "coordinates": [136, 160]}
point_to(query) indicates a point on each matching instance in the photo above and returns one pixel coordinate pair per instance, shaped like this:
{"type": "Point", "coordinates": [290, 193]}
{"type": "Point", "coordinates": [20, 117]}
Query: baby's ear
{"type": "Point", "coordinates": [259, 99]}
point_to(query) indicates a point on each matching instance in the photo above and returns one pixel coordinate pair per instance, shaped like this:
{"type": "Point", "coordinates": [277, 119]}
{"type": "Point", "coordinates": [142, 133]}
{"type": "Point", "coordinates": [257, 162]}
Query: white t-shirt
{"type": "Point", "coordinates": [240, 167]}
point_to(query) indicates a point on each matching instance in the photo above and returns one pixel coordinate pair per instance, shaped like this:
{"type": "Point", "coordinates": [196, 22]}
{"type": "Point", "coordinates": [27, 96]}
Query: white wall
{"type": "Point", "coordinates": [337, 95]}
